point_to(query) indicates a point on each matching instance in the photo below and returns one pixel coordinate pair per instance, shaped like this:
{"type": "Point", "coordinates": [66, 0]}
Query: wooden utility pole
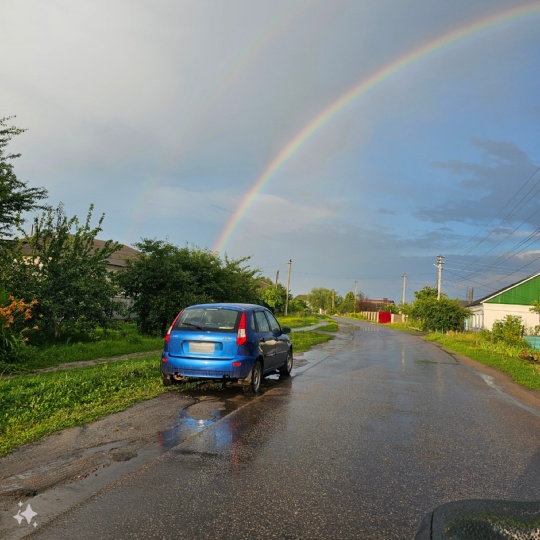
{"type": "Point", "coordinates": [288, 283]}
{"type": "Point", "coordinates": [439, 275]}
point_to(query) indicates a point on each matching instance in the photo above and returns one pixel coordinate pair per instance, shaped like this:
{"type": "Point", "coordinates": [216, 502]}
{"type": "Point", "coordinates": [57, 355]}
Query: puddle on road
{"type": "Point", "coordinates": [209, 408]}
{"type": "Point", "coordinates": [206, 410]}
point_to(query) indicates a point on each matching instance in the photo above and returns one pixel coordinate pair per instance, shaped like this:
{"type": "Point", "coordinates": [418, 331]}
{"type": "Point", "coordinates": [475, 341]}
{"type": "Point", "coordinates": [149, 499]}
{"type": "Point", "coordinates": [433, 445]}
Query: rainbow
{"type": "Point", "coordinates": [357, 91]}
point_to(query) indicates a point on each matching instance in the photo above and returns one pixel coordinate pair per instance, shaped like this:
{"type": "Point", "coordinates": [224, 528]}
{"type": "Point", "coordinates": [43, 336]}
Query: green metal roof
{"type": "Point", "coordinates": [522, 293]}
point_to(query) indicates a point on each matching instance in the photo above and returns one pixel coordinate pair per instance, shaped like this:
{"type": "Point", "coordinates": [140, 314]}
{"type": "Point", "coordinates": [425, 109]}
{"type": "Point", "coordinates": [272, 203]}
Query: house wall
{"type": "Point", "coordinates": [475, 321]}
{"type": "Point", "coordinates": [485, 315]}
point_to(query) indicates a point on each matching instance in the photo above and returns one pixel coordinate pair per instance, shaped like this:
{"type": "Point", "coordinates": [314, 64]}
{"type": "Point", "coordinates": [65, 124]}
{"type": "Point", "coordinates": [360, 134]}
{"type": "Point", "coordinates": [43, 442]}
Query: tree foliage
{"type": "Point", "coordinates": [439, 315]}
{"type": "Point", "coordinates": [297, 305]}
{"type": "Point", "coordinates": [61, 267]}
{"type": "Point", "coordinates": [164, 279]}
{"type": "Point", "coordinates": [15, 196]}
{"type": "Point", "coordinates": [348, 304]}
{"type": "Point", "coordinates": [274, 297]}
{"type": "Point", "coordinates": [321, 299]}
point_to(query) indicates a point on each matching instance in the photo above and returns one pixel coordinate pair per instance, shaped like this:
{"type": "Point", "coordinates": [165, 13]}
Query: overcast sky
{"type": "Point", "coordinates": [359, 138]}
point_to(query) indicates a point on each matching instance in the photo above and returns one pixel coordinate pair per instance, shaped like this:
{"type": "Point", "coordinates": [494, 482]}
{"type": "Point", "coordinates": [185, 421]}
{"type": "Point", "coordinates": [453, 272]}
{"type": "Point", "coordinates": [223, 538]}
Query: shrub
{"type": "Point", "coordinates": [509, 329]}
{"type": "Point", "coordinates": [15, 326]}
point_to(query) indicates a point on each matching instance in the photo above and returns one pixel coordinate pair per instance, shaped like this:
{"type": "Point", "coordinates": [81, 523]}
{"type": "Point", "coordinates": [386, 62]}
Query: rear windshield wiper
{"type": "Point", "coordinates": [191, 325]}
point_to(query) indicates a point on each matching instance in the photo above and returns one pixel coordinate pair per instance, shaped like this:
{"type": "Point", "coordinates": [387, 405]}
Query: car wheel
{"type": "Point", "coordinates": [167, 381]}
{"type": "Point", "coordinates": [285, 369]}
{"type": "Point", "coordinates": [255, 378]}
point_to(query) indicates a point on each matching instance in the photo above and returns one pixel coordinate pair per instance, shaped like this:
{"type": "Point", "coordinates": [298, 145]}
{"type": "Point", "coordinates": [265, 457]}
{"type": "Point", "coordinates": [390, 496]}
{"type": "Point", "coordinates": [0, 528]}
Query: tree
{"type": "Point", "coordinates": [275, 297]}
{"type": "Point", "coordinates": [164, 279]}
{"type": "Point", "coordinates": [15, 196]}
{"type": "Point", "coordinates": [434, 314]}
{"type": "Point", "coordinates": [61, 267]}
{"type": "Point", "coordinates": [297, 305]}
{"type": "Point", "coordinates": [321, 299]}
{"type": "Point", "coordinates": [348, 303]}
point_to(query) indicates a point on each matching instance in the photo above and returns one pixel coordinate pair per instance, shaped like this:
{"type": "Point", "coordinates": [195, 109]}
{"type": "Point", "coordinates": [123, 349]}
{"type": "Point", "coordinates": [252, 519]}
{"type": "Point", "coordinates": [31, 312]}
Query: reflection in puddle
{"type": "Point", "coordinates": [195, 418]}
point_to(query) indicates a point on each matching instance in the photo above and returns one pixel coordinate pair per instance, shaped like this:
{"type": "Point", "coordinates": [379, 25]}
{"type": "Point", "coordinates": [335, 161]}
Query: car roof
{"type": "Point", "coordinates": [228, 305]}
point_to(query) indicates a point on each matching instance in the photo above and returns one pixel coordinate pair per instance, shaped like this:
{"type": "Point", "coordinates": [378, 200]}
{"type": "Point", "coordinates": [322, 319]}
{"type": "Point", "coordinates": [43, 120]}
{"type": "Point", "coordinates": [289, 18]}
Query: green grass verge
{"type": "Point", "coordinates": [304, 340]}
{"type": "Point", "coordinates": [523, 372]}
{"type": "Point", "coordinates": [77, 352]}
{"type": "Point", "coordinates": [33, 406]}
{"type": "Point", "coordinates": [299, 322]}
{"type": "Point", "coordinates": [330, 327]}
{"type": "Point", "coordinates": [402, 327]}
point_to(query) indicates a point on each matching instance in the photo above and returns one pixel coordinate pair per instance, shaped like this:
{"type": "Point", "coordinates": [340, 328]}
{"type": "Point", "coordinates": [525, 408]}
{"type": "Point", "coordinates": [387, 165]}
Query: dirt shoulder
{"type": "Point", "coordinates": [76, 452]}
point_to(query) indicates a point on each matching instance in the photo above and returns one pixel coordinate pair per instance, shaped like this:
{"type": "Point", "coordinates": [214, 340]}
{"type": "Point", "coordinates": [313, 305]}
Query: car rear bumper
{"type": "Point", "coordinates": [206, 369]}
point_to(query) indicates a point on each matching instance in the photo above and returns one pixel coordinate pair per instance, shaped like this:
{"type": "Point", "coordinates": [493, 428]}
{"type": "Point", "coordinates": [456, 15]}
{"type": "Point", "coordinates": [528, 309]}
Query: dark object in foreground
{"type": "Point", "coordinates": [482, 520]}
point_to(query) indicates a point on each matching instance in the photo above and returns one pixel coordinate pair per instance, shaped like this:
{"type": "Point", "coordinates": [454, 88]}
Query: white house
{"type": "Point", "coordinates": [513, 300]}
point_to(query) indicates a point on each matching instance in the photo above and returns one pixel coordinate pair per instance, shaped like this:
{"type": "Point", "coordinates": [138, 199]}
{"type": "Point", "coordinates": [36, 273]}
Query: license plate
{"type": "Point", "coordinates": [202, 347]}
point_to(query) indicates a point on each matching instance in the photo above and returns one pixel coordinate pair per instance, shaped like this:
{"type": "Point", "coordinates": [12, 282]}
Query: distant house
{"type": "Point", "coordinates": [513, 300]}
{"type": "Point", "coordinates": [366, 304]}
{"type": "Point", "coordinates": [117, 261]}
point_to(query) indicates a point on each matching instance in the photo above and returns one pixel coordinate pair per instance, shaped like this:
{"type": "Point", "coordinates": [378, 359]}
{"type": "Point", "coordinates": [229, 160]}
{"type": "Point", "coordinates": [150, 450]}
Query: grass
{"type": "Point", "coordinates": [33, 406]}
{"type": "Point", "coordinates": [502, 356]}
{"type": "Point", "coordinates": [330, 327]}
{"type": "Point", "coordinates": [301, 321]}
{"type": "Point", "coordinates": [108, 344]}
{"type": "Point", "coordinates": [76, 352]}
{"type": "Point", "coordinates": [403, 327]}
{"type": "Point", "coordinates": [303, 341]}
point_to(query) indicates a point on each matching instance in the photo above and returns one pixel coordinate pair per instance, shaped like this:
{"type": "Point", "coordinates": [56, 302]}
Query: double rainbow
{"type": "Point", "coordinates": [364, 86]}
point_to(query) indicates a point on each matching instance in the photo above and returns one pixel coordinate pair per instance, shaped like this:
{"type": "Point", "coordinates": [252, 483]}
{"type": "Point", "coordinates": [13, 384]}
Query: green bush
{"type": "Point", "coordinates": [15, 327]}
{"type": "Point", "coordinates": [509, 329]}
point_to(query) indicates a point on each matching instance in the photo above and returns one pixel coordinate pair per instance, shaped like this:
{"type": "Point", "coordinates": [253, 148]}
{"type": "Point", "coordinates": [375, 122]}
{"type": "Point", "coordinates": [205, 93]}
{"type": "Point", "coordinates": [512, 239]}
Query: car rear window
{"type": "Point", "coordinates": [208, 319]}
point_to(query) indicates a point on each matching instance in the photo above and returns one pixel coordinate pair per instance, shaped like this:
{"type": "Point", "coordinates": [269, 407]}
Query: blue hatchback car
{"type": "Point", "coordinates": [238, 343]}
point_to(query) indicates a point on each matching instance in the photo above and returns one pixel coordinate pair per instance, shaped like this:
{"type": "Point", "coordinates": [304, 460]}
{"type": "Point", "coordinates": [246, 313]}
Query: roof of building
{"type": "Point", "coordinates": [118, 259]}
{"type": "Point", "coordinates": [503, 290]}
{"type": "Point", "coordinates": [384, 301]}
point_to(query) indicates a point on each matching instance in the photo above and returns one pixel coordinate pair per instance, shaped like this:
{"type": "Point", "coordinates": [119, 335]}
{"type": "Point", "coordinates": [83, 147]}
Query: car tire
{"type": "Point", "coordinates": [166, 379]}
{"type": "Point", "coordinates": [286, 368]}
{"type": "Point", "coordinates": [255, 377]}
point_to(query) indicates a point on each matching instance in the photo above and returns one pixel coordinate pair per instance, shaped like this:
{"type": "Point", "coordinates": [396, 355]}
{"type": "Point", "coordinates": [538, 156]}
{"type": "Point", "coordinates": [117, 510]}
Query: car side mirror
{"type": "Point", "coordinates": [285, 330]}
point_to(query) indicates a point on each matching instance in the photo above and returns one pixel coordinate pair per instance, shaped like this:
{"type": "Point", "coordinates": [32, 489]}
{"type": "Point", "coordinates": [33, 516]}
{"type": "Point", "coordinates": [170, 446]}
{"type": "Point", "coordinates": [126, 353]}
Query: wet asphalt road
{"type": "Point", "coordinates": [377, 430]}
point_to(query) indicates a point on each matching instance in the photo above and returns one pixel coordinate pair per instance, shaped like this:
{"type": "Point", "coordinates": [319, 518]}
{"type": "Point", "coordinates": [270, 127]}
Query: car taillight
{"type": "Point", "coordinates": [241, 336]}
{"type": "Point", "coordinates": [168, 334]}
